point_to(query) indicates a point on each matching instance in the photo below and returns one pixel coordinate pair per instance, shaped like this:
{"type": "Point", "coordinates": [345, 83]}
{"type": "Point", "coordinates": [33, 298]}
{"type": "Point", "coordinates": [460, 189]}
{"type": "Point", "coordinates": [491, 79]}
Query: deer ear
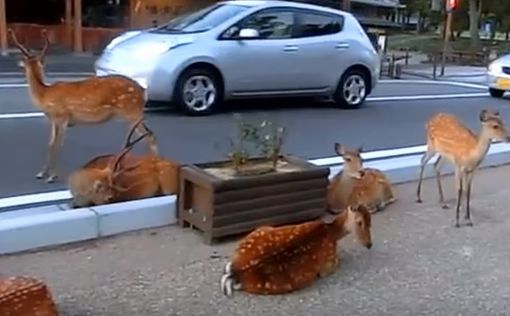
{"type": "Point", "coordinates": [483, 115]}
{"type": "Point", "coordinates": [339, 149]}
{"type": "Point", "coordinates": [360, 149]}
{"type": "Point", "coordinates": [496, 113]}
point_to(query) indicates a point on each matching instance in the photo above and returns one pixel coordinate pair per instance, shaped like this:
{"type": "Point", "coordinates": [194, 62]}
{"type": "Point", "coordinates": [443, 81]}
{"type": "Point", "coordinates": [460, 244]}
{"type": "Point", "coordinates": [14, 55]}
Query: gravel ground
{"type": "Point", "coordinates": [419, 265]}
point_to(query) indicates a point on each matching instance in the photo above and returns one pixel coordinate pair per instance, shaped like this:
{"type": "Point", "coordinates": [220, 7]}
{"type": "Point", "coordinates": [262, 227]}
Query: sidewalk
{"type": "Point", "coordinates": [419, 265]}
{"type": "Point", "coordinates": [56, 62]}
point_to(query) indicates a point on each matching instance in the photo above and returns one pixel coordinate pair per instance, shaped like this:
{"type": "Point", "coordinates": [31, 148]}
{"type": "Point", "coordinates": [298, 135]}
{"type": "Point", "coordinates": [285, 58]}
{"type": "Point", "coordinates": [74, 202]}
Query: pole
{"type": "Point", "coordinates": [448, 29]}
{"type": "Point", "coordinates": [69, 23]}
{"type": "Point", "coordinates": [3, 29]}
{"type": "Point", "coordinates": [78, 43]}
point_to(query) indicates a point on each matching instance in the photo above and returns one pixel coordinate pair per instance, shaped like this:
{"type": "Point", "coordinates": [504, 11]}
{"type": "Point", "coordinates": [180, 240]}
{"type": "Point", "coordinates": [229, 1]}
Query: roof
{"type": "Point", "coordinates": [295, 4]}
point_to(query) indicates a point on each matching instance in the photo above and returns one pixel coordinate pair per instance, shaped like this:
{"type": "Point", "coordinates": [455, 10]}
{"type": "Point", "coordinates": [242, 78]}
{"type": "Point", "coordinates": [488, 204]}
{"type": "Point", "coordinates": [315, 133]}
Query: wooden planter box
{"type": "Point", "coordinates": [220, 206]}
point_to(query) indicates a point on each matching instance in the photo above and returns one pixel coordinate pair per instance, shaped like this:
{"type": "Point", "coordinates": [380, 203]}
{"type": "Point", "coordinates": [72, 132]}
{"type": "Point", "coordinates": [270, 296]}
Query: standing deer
{"type": "Point", "coordinates": [355, 185]}
{"type": "Point", "coordinates": [25, 296]}
{"type": "Point", "coordinates": [93, 100]}
{"type": "Point", "coordinates": [123, 177]}
{"type": "Point", "coordinates": [451, 140]}
{"type": "Point", "coordinates": [277, 260]}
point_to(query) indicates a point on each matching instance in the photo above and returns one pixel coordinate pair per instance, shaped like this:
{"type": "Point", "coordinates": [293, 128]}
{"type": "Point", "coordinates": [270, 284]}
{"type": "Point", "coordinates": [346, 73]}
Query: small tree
{"type": "Point", "coordinates": [254, 140]}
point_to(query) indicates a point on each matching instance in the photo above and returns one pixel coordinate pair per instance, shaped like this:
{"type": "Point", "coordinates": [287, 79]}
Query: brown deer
{"type": "Point", "coordinates": [354, 184]}
{"type": "Point", "coordinates": [451, 140]}
{"type": "Point", "coordinates": [278, 260]}
{"type": "Point", "coordinates": [25, 296]}
{"type": "Point", "coordinates": [93, 100]}
{"type": "Point", "coordinates": [123, 177]}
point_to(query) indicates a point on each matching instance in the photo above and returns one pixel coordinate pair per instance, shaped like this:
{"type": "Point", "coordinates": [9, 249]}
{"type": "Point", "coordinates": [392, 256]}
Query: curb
{"type": "Point", "coordinates": [52, 225]}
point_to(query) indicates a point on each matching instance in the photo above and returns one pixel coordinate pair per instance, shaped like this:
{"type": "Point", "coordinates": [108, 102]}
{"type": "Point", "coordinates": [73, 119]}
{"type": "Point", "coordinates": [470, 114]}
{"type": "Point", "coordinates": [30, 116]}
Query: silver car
{"type": "Point", "coordinates": [248, 49]}
{"type": "Point", "coordinates": [498, 76]}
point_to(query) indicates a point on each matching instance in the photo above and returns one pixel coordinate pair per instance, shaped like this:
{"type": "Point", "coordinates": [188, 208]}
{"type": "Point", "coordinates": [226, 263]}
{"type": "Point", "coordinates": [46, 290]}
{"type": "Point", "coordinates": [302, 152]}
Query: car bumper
{"type": "Point", "coordinates": [498, 80]}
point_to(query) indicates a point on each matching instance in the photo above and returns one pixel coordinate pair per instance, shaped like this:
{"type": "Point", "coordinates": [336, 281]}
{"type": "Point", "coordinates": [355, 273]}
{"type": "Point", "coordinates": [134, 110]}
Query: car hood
{"type": "Point", "coordinates": [503, 60]}
{"type": "Point", "coordinates": [135, 40]}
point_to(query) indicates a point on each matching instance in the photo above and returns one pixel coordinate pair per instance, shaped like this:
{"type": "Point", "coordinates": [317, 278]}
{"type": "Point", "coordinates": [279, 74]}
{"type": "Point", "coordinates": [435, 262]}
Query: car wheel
{"type": "Point", "coordinates": [352, 90]}
{"type": "Point", "coordinates": [197, 92]}
{"type": "Point", "coordinates": [496, 93]}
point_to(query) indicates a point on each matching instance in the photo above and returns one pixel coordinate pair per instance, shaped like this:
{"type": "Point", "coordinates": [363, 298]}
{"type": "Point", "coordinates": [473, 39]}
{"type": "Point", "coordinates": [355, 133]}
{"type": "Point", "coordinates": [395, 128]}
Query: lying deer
{"type": "Point", "coordinates": [451, 140]}
{"type": "Point", "coordinates": [25, 296]}
{"type": "Point", "coordinates": [277, 260]}
{"type": "Point", "coordinates": [355, 184]}
{"type": "Point", "coordinates": [123, 177]}
{"type": "Point", "coordinates": [93, 100]}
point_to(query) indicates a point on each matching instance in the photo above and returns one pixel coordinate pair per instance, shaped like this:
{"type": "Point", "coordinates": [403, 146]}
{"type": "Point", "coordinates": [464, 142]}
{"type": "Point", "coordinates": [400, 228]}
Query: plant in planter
{"type": "Point", "coordinates": [255, 186]}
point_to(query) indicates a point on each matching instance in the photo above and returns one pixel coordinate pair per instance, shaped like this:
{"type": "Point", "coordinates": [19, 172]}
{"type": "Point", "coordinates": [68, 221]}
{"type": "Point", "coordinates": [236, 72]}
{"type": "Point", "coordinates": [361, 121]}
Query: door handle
{"type": "Point", "coordinates": [290, 48]}
{"type": "Point", "coordinates": [342, 45]}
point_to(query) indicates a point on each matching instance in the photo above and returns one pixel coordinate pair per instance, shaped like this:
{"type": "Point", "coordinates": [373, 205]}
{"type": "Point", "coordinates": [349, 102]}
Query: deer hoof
{"type": "Point", "coordinates": [52, 178]}
{"type": "Point", "coordinates": [41, 175]}
{"type": "Point", "coordinates": [469, 223]}
{"type": "Point", "coordinates": [445, 206]}
{"type": "Point", "coordinates": [418, 200]}
{"type": "Point", "coordinates": [457, 225]}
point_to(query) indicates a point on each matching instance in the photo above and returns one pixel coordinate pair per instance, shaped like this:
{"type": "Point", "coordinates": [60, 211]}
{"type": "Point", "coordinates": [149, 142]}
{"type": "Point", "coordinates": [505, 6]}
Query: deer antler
{"type": "Point", "coordinates": [42, 54]}
{"type": "Point", "coordinates": [22, 48]}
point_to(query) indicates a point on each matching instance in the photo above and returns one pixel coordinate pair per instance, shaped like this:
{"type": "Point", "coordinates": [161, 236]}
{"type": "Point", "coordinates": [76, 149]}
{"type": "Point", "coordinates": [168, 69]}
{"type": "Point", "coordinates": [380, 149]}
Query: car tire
{"type": "Point", "coordinates": [496, 93]}
{"type": "Point", "coordinates": [352, 89]}
{"type": "Point", "coordinates": [203, 101]}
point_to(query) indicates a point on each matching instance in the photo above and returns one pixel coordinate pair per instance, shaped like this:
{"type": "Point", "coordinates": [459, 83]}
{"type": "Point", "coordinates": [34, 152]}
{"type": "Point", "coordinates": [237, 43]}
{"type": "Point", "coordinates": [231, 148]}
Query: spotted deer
{"type": "Point", "coordinates": [452, 141]}
{"type": "Point", "coordinates": [278, 260]}
{"type": "Point", "coordinates": [94, 100]}
{"type": "Point", "coordinates": [123, 177]}
{"type": "Point", "coordinates": [354, 184]}
{"type": "Point", "coordinates": [25, 296]}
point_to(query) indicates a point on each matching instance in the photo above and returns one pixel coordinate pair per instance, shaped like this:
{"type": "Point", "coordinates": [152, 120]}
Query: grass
{"type": "Point", "coordinates": [429, 42]}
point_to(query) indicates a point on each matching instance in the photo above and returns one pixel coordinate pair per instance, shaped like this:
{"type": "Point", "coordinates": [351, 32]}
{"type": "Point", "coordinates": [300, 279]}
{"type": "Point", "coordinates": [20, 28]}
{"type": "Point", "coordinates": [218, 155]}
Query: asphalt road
{"type": "Point", "coordinates": [313, 128]}
{"type": "Point", "coordinates": [419, 265]}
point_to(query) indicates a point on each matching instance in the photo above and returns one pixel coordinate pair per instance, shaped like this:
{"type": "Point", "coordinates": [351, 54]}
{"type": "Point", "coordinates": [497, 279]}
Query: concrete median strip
{"type": "Point", "coordinates": [33, 227]}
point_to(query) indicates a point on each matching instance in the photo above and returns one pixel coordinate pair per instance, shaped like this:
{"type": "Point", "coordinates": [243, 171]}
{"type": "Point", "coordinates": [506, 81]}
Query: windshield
{"type": "Point", "coordinates": [202, 20]}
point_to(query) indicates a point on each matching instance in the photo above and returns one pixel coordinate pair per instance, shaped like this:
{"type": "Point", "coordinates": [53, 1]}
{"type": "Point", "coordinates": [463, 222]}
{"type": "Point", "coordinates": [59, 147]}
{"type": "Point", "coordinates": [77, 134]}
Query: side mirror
{"type": "Point", "coordinates": [248, 33]}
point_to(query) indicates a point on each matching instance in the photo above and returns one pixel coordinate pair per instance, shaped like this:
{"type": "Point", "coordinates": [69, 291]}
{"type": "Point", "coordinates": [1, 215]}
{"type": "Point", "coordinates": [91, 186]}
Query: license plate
{"type": "Point", "coordinates": [503, 83]}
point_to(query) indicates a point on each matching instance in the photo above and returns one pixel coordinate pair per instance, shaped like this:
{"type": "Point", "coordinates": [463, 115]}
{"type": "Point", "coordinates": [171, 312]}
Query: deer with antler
{"type": "Point", "coordinates": [124, 177]}
{"type": "Point", "coordinates": [94, 100]}
{"type": "Point", "coordinates": [355, 184]}
{"type": "Point", "coordinates": [452, 141]}
{"type": "Point", "coordinates": [278, 260]}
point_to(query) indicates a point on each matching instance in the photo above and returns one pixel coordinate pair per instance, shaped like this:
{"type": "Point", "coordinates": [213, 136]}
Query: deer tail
{"type": "Point", "coordinates": [227, 280]}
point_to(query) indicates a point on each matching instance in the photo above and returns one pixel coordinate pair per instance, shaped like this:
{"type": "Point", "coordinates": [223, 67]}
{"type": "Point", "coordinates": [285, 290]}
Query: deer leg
{"type": "Point", "coordinates": [459, 177]}
{"type": "Point", "coordinates": [54, 152]}
{"type": "Point", "coordinates": [437, 166]}
{"type": "Point", "coordinates": [44, 172]}
{"type": "Point", "coordinates": [468, 181]}
{"type": "Point", "coordinates": [424, 160]}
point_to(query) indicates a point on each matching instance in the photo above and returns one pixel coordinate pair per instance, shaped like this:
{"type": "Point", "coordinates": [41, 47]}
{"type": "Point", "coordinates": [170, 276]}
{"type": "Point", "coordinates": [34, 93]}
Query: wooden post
{"type": "Point", "coordinates": [446, 40]}
{"type": "Point", "coordinates": [3, 29]}
{"type": "Point", "coordinates": [69, 23]}
{"type": "Point", "coordinates": [78, 39]}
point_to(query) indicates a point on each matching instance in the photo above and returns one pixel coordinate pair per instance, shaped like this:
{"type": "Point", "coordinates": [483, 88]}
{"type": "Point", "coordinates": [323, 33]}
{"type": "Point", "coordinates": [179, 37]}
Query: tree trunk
{"type": "Point", "coordinates": [473, 24]}
{"type": "Point", "coordinates": [507, 35]}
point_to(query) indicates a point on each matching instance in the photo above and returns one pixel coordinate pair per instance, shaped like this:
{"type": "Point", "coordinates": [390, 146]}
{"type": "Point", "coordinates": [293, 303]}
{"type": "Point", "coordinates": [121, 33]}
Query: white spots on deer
{"type": "Point", "coordinates": [131, 89]}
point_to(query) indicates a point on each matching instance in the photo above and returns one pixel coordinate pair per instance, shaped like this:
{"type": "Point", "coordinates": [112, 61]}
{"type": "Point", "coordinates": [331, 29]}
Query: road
{"type": "Point", "coordinates": [419, 265]}
{"type": "Point", "coordinates": [313, 128]}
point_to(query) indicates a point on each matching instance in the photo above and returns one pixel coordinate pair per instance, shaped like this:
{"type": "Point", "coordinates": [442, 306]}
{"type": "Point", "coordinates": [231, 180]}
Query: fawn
{"type": "Point", "coordinates": [123, 177]}
{"type": "Point", "coordinates": [451, 140]}
{"type": "Point", "coordinates": [93, 100]}
{"type": "Point", "coordinates": [25, 296]}
{"type": "Point", "coordinates": [277, 260]}
{"type": "Point", "coordinates": [355, 185]}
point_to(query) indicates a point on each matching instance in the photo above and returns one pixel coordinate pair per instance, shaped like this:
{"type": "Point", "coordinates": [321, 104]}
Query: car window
{"type": "Point", "coordinates": [316, 24]}
{"type": "Point", "coordinates": [271, 24]}
{"type": "Point", "coordinates": [201, 20]}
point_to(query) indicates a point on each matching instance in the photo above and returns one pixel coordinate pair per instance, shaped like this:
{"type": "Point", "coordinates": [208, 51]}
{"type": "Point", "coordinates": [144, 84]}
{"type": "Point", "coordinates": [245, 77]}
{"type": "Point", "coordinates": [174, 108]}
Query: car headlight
{"type": "Point", "coordinates": [152, 49]}
{"type": "Point", "coordinates": [121, 38]}
{"type": "Point", "coordinates": [494, 67]}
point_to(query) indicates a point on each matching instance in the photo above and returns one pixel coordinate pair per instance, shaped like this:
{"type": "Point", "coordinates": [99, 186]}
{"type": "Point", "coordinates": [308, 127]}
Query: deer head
{"type": "Point", "coordinates": [29, 61]}
{"type": "Point", "coordinates": [358, 222]}
{"type": "Point", "coordinates": [493, 126]}
{"type": "Point", "coordinates": [353, 164]}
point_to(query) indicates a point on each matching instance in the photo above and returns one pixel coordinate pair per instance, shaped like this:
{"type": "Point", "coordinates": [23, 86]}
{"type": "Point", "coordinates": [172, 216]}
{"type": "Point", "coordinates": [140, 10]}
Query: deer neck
{"type": "Point", "coordinates": [339, 226]}
{"type": "Point", "coordinates": [35, 79]}
{"type": "Point", "coordinates": [482, 146]}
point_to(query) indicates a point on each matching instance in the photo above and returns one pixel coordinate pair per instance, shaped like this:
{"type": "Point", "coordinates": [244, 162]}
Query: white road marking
{"type": "Point", "coordinates": [451, 83]}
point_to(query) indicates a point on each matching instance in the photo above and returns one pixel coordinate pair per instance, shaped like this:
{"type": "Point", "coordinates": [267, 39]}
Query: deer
{"type": "Point", "coordinates": [278, 260]}
{"type": "Point", "coordinates": [355, 184]}
{"type": "Point", "coordinates": [94, 100]}
{"type": "Point", "coordinates": [123, 177]}
{"type": "Point", "coordinates": [25, 296]}
{"type": "Point", "coordinates": [452, 141]}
